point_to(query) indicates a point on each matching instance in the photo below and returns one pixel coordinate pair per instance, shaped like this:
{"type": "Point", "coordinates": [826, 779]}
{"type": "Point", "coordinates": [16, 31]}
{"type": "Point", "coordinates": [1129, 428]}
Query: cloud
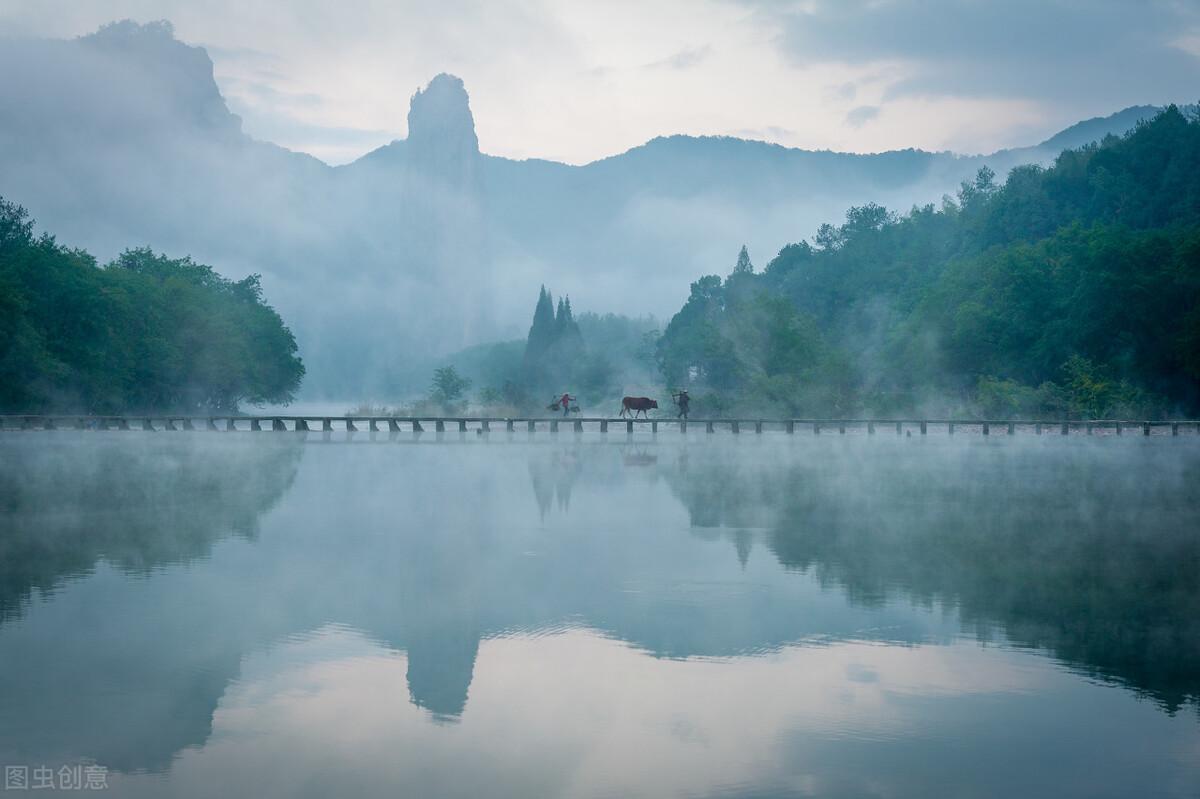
{"type": "Point", "coordinates": [862, 115]}
{"type": "Point", "coordinates": [684, 59]}
{"type": "Point", "coordinates": [1072, 51]}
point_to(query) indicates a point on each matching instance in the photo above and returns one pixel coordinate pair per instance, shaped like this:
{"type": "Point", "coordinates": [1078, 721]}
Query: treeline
{"type": "Point", "coordinates": [1071, 290]}
{"type": "Point", "coordinates": [143, 333]}
{"type": "Point", "coordinates": [594, 357]}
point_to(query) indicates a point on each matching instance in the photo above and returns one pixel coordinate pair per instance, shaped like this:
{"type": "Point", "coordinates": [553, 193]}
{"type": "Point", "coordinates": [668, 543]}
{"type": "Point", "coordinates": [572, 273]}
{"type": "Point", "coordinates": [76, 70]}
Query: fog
{"type": "Point", "coordinates": [166, 595]}
{"type": "Point", "coordinates": [424, 246]}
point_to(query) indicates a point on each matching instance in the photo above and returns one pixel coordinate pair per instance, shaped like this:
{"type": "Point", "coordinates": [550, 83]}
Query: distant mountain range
{"type": "Point", "coordinates": [121, 138]}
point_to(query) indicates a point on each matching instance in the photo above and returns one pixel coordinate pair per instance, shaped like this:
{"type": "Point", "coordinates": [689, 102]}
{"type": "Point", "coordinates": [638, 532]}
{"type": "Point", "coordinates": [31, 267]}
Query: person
{"type": "Point", "coordinates": [566, 401]}
{"type": "Point", "coordinates": [682, 400]}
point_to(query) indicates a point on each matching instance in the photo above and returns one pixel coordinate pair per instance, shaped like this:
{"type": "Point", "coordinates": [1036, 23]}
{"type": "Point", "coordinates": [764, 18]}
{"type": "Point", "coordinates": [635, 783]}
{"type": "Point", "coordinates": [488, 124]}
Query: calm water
{"type": "Point", "coordinates": [236, 615]}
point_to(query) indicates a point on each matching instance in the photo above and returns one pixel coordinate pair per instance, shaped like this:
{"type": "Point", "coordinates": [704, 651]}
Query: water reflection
{"type": "Point", "coordinates": [814, 591]}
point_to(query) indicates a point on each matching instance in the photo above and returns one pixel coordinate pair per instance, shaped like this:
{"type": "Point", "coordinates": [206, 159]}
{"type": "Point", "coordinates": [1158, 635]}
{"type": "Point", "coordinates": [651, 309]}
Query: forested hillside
{"type": "Point", "coordinates": [1073, 289]}
{"type": "Point", "coordinates": [144, 333]}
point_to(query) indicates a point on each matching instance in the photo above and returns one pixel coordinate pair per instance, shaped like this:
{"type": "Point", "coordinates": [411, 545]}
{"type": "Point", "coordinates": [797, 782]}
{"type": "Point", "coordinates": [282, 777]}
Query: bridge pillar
{"type": "Point", "coordinates": [870, 428]}
{"type": "Point", "coordinates": [950, 428]}
{"type": "Point", "coordinates": [816, 428]}
{"type": "Point", "coordinates": [462, 425]}
{"type": "Point", "coordinates": [1118, 428]}
{"type": "Point", "coordinates": [1066, 428]}
{"type": "Point", "coordinates": [326, 425]}
{"type": "Point", "coordinates": [187, 424]}
{"type": "Point", "coordinates": [210, 424]}
{"type": "Point", "coordinates": [1088, 428]}
{"type": "Point", "coordinates": [1145, 428]}
{"type": "Point", "coordinates": [603, 425]}
{"type": "Point", "coordinates": [439, 426]}
{"type": "Point", "coordinates": [629, 427]}
{"type": "Point", "coordinates": [1174, 428]}
{"type": "Point", "coordinates": [48, 423]}
{"type": "Point", "coordinates": [485, 426]}
{"type": "Point", "coordinates": [1012, 428]}
{"type": "Point", "coordinates": [278, 426]}
{"type": "Point", "coordinates": [1037, 428]}
{"type": "Point", "coordinates": [169, 424]}
{"type": "Point", "coordinates": [146, 425]}
{"type": "Point", "coordinates": [373, 425]}
{"type": "Point", "coordinates": [683, 426]}
{"type": "Point", "coordinates": [553, 425]}
{"type": "Point", "coordinates": [791, 427]}
{"type": "Point", "coordinates": [708, 427]}
{"type": "Point", "coordinates": [899, 428]}
{"type": "Point", "coordinates": [578, 426]}
{"type": "Point", "coordinates": [986, 429]}
{"type": "Point", "coordinates": [758, 427]}
{"type": "Point", "coordinates": [531, 425]}
{"type": "Point", "coordinates": [842, 428]}
{"type": "Point", "coordinates": [416, 426]}
{"type": "Point", "coordinates": [393, 425]}
{"type": "Point", "coordinates": [733, 427]}
{"type": "Point", "coordinates": [229, 424]}
{"type": "Point", "coordinates": [80, 423]}
{"type": "Point", "coordinates": [301, 425]}
{"type": "Point", "coordinates": [508, 425]}
{"type": "Point", "coordinates": [350, 428]}
{"type": "Point", "coordinates": [654, 428]}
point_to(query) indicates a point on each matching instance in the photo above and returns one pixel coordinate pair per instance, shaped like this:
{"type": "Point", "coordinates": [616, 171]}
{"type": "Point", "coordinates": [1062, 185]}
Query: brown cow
{"type": "Point", "coordinates": [637, 405]}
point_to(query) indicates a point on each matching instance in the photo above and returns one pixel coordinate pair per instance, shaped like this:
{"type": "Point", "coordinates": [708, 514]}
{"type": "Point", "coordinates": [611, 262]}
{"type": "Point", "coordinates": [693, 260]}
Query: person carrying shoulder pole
{"type": "Point", "coordinates": [681, 399]}
{"type": "Point", "coordinates": [566, 401]}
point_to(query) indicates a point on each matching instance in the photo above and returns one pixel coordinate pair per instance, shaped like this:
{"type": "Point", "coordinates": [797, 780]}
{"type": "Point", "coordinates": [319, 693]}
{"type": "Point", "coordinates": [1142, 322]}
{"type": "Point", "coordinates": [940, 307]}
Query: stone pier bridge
{"type": "Point", "coordinates": [552, 424]}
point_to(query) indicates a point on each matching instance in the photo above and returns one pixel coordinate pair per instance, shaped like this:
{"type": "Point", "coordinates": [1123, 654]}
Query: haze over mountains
{"type": "Point", "coordinates": [122, 138]}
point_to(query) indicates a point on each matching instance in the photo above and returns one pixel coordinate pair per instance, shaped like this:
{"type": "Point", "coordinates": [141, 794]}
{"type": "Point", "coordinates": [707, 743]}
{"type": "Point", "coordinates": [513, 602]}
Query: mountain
{"type": "Point", "coordinates": [426, 244]}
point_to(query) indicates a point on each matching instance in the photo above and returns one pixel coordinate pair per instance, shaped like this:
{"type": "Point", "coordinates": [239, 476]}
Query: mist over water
{"type": "Point", "coordinates": [281, 615]}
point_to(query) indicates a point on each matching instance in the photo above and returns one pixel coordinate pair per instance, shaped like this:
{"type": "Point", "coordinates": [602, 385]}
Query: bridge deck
{"type": "Point", "coordinates": [578, 424]}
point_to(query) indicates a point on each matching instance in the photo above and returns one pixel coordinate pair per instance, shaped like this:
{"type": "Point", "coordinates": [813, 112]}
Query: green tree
{"type": "Point", "coordinates": [448, 386]}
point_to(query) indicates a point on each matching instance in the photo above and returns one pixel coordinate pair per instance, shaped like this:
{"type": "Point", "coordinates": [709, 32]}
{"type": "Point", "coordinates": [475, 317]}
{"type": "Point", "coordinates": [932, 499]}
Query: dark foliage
{"type": "Point", "coordinates": [145, 332]}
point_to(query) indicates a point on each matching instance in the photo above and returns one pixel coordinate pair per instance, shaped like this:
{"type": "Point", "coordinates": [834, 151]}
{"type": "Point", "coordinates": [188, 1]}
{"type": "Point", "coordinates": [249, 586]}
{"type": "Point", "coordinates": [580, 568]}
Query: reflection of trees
{"type": "Point", "coordinates": [553, 476]}
{"type": "Point", "coordinates": [67, 503]}
{"type": "Point", "coordinates": [1092, 556]}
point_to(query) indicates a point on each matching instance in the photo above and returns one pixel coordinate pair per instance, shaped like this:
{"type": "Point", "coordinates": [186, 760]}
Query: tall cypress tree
{"type": "Point", "coordinates": [542, 331]}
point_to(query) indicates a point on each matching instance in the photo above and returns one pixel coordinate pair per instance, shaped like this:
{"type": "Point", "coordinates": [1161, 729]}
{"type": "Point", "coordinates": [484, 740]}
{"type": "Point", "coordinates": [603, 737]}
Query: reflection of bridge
{"type": "Point", "coordinates": [484, 424]}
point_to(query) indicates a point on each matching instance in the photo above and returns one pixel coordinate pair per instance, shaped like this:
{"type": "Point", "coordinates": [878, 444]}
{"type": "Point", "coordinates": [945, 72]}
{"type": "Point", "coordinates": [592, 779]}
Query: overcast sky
{"type": "Point", "coordinates": [576, 81]}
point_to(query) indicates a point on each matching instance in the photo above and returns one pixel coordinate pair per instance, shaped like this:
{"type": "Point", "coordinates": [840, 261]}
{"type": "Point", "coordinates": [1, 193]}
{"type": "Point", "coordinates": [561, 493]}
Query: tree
{"type": "Point", "coordinates": [448, 386]}
{"type": "Point", "coordinates": [743, 265]}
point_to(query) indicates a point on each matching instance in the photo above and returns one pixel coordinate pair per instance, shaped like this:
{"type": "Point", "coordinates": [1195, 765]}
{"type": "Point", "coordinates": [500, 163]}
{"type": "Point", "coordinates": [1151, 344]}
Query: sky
{"type": "Point", "coordinates": [577, 81]}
